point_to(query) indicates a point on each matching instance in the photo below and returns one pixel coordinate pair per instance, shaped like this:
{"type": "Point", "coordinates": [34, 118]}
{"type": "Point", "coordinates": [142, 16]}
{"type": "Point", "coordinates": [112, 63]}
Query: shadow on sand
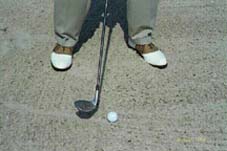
{"type": "Point", "coordinates": [116, 14]}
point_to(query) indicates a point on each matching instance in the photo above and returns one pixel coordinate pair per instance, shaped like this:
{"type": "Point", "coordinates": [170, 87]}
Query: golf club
{"type": "Point", "coordinates": [91, 105]}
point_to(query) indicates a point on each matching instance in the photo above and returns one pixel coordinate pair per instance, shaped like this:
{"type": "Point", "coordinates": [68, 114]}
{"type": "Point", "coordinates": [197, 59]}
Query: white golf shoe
{"type": "Point", "coordinates": [150, 53]}
{"type": "Point", "coordinates": [61, 57]}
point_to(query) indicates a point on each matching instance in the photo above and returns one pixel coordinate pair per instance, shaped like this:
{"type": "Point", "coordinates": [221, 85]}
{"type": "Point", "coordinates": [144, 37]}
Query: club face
{"type": "Point", "coordinates": [85, 106]}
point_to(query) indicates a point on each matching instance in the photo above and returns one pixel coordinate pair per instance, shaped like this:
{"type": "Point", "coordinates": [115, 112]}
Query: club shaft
{"type": "Point", "coordinates": [101, 48]}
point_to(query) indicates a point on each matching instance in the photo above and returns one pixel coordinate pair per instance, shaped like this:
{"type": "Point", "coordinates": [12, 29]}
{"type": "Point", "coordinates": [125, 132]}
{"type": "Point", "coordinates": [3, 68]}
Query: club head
{"type": "Point", "coordinates": [85, 106]}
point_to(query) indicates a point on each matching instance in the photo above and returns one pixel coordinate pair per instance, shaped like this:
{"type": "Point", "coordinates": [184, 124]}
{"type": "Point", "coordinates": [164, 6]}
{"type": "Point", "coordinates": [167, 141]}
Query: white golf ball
{"type": "Point", "coordinates": [112, 117]}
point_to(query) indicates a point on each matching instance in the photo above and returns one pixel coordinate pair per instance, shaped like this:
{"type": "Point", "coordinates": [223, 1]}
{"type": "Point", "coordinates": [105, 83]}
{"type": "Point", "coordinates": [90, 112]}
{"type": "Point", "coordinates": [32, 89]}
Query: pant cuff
{"type": "Point", "coordinates": [142, 38]}
{"type": "Point", "coordinates": [65, 40]}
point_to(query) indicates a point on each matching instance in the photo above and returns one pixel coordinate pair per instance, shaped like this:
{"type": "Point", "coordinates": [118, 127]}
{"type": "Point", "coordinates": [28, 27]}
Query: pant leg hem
{"type": "Point", "coordinates": [144, 37]}
{"type": "Point", "coordinates": [65, 41]}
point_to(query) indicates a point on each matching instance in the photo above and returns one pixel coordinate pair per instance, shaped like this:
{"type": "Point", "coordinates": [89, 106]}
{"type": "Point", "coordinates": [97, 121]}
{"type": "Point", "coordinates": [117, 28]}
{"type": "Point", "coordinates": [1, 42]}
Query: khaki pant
{"type": "Point", "coordinates": [69, 16]}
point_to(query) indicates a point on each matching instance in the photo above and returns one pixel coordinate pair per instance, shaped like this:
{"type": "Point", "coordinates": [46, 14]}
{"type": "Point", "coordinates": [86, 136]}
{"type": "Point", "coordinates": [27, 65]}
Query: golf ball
{"type": "Point", "coordinates": [112, 117]}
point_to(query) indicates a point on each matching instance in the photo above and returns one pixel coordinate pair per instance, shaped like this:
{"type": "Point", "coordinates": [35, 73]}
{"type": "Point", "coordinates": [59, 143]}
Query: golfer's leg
{"type": "Point", "coordinates": [141, 15]}
{"type": "Point", "coordinates": [69, 16]}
